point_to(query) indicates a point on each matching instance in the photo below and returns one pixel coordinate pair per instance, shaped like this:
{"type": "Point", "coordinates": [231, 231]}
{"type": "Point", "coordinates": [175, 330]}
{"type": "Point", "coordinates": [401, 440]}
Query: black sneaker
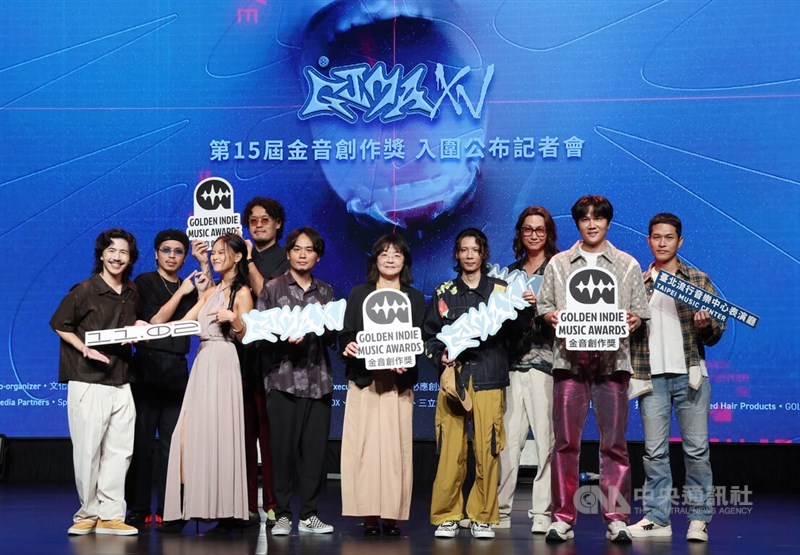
{"type": "Point", "coordinates": [136, 518]}
{"type": "Point", "coordinates": [254, 519]}
{"type": "Point", "coordinates": [225, 526]}
{"type": "Point", "coordinates": [172, 526]}
{"type": "Point", "coordinates": [392, 530]}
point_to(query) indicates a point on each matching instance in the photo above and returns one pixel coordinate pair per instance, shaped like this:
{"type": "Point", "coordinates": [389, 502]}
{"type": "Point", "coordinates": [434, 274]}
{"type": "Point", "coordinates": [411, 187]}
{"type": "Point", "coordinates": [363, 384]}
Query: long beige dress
{"type": "Point", "coordinates": [377, 444]}
{"type": "Point", "coordinates": [208, 443]}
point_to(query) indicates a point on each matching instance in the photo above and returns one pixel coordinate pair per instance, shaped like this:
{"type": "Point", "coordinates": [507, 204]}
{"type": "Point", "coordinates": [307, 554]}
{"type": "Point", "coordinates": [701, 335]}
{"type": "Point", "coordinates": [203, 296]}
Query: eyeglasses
{"type": "Point", "coordinates": [527, 231]}
{"type": "Point", "coordinates": [263, 220]}
{"type": "Point", "coordinates": [166, 251]}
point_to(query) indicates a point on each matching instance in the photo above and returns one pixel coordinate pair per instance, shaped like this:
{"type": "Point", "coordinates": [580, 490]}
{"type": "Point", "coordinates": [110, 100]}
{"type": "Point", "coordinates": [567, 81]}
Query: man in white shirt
{"type": "Point", "coordinates": [675, 340]}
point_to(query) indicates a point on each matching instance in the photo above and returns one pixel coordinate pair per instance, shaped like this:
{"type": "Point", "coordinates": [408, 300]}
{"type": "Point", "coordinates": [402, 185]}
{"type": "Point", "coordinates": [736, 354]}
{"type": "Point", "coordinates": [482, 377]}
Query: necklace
{"type": "Point", "coordinates": [170, 291]}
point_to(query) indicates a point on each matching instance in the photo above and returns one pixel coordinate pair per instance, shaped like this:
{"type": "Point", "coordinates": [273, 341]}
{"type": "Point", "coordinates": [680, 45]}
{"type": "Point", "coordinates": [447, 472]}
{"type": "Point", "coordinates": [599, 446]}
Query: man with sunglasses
{"type": "Point", "coordinates": [266, 260]}
{"type": "Point", "coordinates": [160, 370]}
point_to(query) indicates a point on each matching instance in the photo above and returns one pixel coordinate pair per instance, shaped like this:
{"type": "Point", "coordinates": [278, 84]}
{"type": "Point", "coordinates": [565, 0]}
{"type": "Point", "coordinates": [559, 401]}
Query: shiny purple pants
{"type": "Point", "coordinates": [608, 395]}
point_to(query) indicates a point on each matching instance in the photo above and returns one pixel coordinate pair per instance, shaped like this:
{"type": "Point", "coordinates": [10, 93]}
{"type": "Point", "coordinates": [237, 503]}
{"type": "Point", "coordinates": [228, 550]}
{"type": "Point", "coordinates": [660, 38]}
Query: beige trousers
{"type": "Point", "coordinates": [102, 421]}
{"type": "Point", "coordinates": [529, 405]}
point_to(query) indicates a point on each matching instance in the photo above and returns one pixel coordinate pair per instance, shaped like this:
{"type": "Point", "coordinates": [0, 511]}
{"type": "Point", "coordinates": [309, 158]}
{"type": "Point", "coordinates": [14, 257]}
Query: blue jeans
{"type": "Point", "coordinates": [691, 408]}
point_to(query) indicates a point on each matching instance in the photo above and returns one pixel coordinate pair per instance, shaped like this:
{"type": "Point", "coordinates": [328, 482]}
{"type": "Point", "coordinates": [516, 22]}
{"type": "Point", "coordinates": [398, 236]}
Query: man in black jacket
{"type": "Point", "coordinates": [483, 372]}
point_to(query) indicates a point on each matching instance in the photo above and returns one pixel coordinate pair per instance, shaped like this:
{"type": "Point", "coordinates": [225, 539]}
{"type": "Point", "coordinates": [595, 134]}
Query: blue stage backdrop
{"type": "Point", "coordinates": [415, 116]}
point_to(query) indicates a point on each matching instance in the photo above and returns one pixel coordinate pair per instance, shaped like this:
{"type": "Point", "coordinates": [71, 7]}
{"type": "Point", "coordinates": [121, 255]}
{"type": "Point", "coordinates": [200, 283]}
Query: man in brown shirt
{"type": "Point", "coordinates": [99, 402]}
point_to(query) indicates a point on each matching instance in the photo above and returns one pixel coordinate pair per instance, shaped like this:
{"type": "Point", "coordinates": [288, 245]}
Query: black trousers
{"type": "Point", "coordinates": [299, 441]}
{"type": "Point", "coordinates": [256, 429]}
{"type": "Point", "coordinates": [158, 406]}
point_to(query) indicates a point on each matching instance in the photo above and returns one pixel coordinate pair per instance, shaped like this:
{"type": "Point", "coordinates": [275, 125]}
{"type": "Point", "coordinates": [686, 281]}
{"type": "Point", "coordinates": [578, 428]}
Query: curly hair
{"type": "Point", "coordinates": [104, 240]}
{"type": "Point", "coordinates": [272, 207]}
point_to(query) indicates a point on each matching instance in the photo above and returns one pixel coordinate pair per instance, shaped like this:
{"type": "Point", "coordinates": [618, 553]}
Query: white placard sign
{"type": "Point", "coordinates": [477, 324]}
{"type": "Point", "coordinates": [213, 211]}
{"type": "Point", "coordinates": [592, 320]}
{"type": "Point", "coordinates": [532, 283]}
{"type": "Point", "coordinates": [141, 333]}
{"type": "Point", "coordinates": [285, 323]}
{"type": "Point", "coordinates": [388, 339]}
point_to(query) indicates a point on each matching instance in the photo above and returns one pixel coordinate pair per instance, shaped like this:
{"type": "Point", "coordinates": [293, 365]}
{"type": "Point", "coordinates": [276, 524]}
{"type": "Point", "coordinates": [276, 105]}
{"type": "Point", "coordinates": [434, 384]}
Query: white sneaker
{"type": "Point", "coordinates": [505, 522]}
{"type": "Point", "coordinates": [618, 532]}
{"type": "Point", "coordinates": [482, 530]}
{"type": "Point", "coordinates": [559, 532]}
{"type": "Point", "coordinates": [541, 524]}
{"type": "Point", "coordinates": [646, 528]}
{"type": "Point", "coordinates": [447, 529]}
{"type": "Point", "coordinates": [314, 525]}
{"type": "Point", "coordinates": [698, 531]}
{"type": "Point", "coordinates": [465, 523]}
{"type": "Point", "coordinates": [282, 527]}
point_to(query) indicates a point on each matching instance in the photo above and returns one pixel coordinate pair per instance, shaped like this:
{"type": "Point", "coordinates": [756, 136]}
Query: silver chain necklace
{"type": "Point", "coordinates": [171, 292]}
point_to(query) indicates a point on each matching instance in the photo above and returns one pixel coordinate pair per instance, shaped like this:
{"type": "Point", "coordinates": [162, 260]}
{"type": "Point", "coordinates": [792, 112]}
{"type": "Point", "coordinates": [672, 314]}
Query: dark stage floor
{"type": "Point", "coordinates": [35, 518]}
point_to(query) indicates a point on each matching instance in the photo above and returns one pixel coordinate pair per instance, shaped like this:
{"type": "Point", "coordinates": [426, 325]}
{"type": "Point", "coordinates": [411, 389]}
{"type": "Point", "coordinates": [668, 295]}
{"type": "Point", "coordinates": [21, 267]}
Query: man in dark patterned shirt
{"type": "Point", "coordinates": [299, 388]}
{"type": "Point", "coordinates": [673, 353]}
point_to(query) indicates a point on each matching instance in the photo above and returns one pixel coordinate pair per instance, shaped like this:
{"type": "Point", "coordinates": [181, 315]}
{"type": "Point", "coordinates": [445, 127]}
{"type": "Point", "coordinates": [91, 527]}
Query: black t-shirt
{"type": "Point", "coordinates": [154, 292]}
{"type": "Point", "coordinates": [271, 262]}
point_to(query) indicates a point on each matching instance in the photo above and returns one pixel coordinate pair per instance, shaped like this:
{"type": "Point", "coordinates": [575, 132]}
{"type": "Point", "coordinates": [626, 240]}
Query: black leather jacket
{"type": "Point", "coordinates": [486, 364]}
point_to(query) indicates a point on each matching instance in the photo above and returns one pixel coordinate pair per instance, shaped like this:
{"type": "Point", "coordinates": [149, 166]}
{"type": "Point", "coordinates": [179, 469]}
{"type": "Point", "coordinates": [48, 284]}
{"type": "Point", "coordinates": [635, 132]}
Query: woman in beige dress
{"type": "Point", "coordinates": [376, 465]}
{"type": "Point", "coordinates": [206, 476]}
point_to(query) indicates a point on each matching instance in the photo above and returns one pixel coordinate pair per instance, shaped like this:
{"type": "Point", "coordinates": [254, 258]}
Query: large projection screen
{"type": "Point", "coordinates": [419, 117]}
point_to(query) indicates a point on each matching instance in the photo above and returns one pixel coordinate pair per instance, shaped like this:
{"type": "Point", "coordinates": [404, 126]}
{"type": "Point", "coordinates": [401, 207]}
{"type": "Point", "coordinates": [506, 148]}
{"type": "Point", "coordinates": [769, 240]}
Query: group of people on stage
{"type": "Point", "coordinates": [279, 395]}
